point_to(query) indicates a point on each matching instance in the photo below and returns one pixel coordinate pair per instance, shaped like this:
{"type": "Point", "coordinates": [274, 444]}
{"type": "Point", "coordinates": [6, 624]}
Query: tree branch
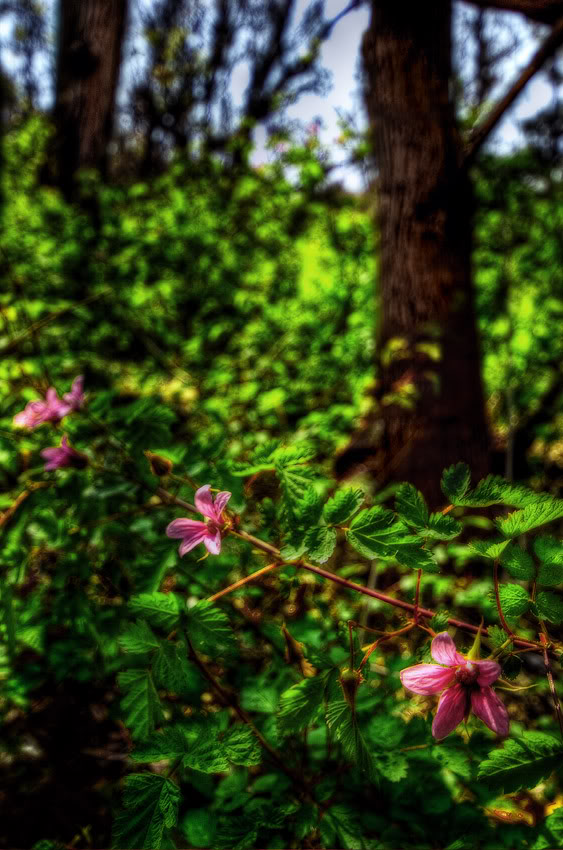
{"type": "Point", "coordinates": [542, 11]}
{"type": "Point", "coordinates": [481, 133]}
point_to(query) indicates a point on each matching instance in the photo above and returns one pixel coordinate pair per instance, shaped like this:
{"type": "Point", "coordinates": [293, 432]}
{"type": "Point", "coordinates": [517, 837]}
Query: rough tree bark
{"type": "Point", "coordinates": [90, 36]}
{"type": "Point", "coordinates": [431, 408]}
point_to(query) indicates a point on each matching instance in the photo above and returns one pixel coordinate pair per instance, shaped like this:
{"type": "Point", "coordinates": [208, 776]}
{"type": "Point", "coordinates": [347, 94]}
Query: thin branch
{"type": "Point", "coordinates": [357, 588]}
{"type": "Point", "coordinates": [542, 11]}
{"type": "Point", "coordinates": [501, 616]}
{"type": "Point", "coordinates": [242, 581]}
{"type": "Point", "coordinates": [481, 133]}
{"type": "Point", "coordinates": [550, 679]}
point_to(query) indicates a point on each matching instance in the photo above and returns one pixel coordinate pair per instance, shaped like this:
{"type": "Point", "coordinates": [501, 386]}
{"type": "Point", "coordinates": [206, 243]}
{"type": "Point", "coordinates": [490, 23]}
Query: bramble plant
{"type": "Point", "coordinates": [241, 719]}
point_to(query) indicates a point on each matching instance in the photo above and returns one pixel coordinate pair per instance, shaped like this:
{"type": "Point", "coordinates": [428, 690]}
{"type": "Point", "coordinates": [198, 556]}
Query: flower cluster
{"type": "Point", "coordinates": [193, 531]}
{"type": "Point", "coordinates": [51, 408]}
{"type": "Point", "coordinates": [466, 686]}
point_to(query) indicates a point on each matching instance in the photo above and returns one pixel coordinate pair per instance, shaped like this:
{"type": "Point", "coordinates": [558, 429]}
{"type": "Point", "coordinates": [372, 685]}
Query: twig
{"type": "Point", "coordinates": [242, 581]}
{"type": "Point", "coordinates": [501, 616]}
{"type": "Point", "coordinates": [483, 131]}
{"type": "Point", "coordinates": [550, 679]}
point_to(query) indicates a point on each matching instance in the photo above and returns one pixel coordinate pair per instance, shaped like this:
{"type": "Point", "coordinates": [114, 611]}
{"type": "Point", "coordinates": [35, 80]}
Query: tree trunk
{"type": "Point", "coordinates": [429, 391]}
{"type": "Point", "coordinates": [90, 35]}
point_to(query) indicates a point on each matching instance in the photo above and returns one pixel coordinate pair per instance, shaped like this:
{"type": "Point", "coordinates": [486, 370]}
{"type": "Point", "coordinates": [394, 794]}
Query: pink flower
{"type": "Point", "coordinates": [52, 408]}
{"type": "Point", "coordinates": [467, 686]}
{"type": "Point", "coordinates": [36, 412]}
{"type": "Point", "coordinates": [65, 455]}
{"type": "Point", "coordinates": [75, 398]}
{"type": "Point", "coordinates": [193, 531]}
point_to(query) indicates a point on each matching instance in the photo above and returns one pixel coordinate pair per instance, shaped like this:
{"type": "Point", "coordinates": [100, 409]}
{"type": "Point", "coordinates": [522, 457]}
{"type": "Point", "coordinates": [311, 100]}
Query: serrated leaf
{"type": "Point", "coordinates": [494, 490]}
{"type": "Point", "coordinates": [209, 629]}
{"type": "Point", "coordinates": [343, 504]}
{"type": "Point", "coordinates": [532, 516]}
{"type": "Point", "coordinates": [320, 543]}
{"type": "Point", "coordinates": [413, 556]}
{"type": "Point", "coordinates": [206, 752]}
{"type": "Point", "coordinates": [549, 549]}
{"type": "Point", "coordinates": [300, 705]}
{"type": "Point", "coordinates": [442, 527]}
{"type": "Point", "coordinates": [411, 506]}
{"type": "Point", "coordinates": [550, 607]}
{"type": "Point", "coordinates": [521, 762]}
{"type": "Point", "coordinates": [489, 548]}
{"type": "Point", "coordinates": [309, 508]}
{"type": "Point", "coordinates": [376, 532]}
{"type": "Point", "coordinates": [496, 636]}
{"type": "Point", "coordinates": [241, 746]}
{"type": "Point", "coordinates": [550, 574]}
{"type": "Point", "coordinates": [514, 600]}
{"type": "Point", "coordinates": [160, 609]}
{"type": "Point", "coordinates": [140, 703]}
{"type": "Point", "coordinates": [138, 638]}
{"type": "Point", "coordinates": [340, 822]}
{"type": "Point", "coordinates": [265, 451]}
{"type": "Point", "coordinates": [455, 481]}
{"type": "Point", "coordinates": [454, 757]}
{"type": "Point", "coordinates": [170, 743]}
{"type": "Point", "coordinates": [342, 722]}
{"type": "Point", "coordinates": [151, 806]}
{"type": "Point", "coordinates": [294, 547]}
{"type": "Point", "coordinates": [172, 670]}
{"type": "Point", "coordinates": [439, 622]}
{"type": "Point", "coordinates": [517, 562]}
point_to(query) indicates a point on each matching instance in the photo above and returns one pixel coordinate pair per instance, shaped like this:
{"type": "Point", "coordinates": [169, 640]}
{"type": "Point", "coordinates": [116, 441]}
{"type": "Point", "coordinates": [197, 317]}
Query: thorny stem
{"type": "Point", "coordinates": [550, 679]}
{"type": "Point", "coordinates": [426, 613]}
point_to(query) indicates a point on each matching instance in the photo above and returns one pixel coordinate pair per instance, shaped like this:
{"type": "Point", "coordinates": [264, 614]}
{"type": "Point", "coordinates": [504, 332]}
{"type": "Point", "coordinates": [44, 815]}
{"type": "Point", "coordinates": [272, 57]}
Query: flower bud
{"type": "Point", "coordinates": [160, 466]}
{"type": "Point", "coordinates": [350, 681]}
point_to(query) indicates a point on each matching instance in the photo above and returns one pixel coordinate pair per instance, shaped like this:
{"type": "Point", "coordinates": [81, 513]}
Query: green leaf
{"type": "Point", "coordinates": [411, 506]}
{"type": "Point", "coordinates": [489, 548]}
{"type": "Point", "coordinates": [241, 746]}
{"type": "Point", "coordinates": [442, 527]}
{"type": "Point", "coordinates": [294, 547]}
{"type": "Point", "coordinates": [521, 762]}
{"type": "Point", "coordinates": [309, 508]}
{"type": "Point", "coordinates": [455, 757]}
{"type": "Point", "coordinates": [339, 826]}
{"type": "Point", "coordinates": [549, 549]}
{"type": "Point", "coordinates": [169, 743]}
{"type": "Point", "coordinates": [376, 532]}
{"type": "Point", "coordinates": [138, 638]}
{"type": "Point", "coordinates": [343, 504]}
{"type": "Point", "coordinates": [536, 514]}
{"type": "Point", "coordinates": [412, 555]}
{"type": "Point", "coordinates": [393, 766]}
{"type": "Point", "coordinates": [209, 629]}
{"type": "Point", "coordinates": [439, 622]}
{"type": "Point", "coordinates": [160, 609]}
{"type": "Point", "coordinates": [494, 490]}
{"type": "Point", "coordinates": [455, 481]}
{"type": "Point", "coordinates": [550, 574]}
{"type": "Point", "coordinates": [300, 705]}
{"type": "Point", "coordinates": [320, 543]}
{"type": "Point", "coordinates": [518, 563]}
{"type": "Point", "coordinates": [550, 607]}
{"type": "Point", "coordinates": [173, 671]}
{"type": "Point", "coordinates": [514, 600]}
{"type": "Point", "coordinates": [553, 828]}
{"type": "Point", "coordinates": [342, 722]}
{"type": "Point", "coordinates": [206, 753]}
{"type": "Point", "coordinates": [140, 703]}
{"type": "Point", "coordinates": [199, 825]}
{"type": "Point", "coordinates": [151, 806]}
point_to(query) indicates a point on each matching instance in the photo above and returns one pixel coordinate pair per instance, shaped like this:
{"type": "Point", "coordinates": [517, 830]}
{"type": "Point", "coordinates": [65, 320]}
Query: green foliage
{"type": "Point", "coordinates": [532, 516]}
{"type": "Point", "coordinates": [521, 762]}
{"type": "Point", "coordinates": [550, 606]}
{"type": "Point", "coordinates": [209, 629]}
{"type": "Point", "coordinates": [140, 703]}
{"type": "Point", "coordinates": [417, 558]}
{"type": "Point", "coordinates": [455, 482]}
{"type": "Point", "coordinates": [376, 532]}
{"type": "Point", "coordinates": [518, 563]}
{"type": "Point", "coordinates": [320, 543]}
{"type": "Point", "coordinates": [150, 809]}
{"type": "Point", "coordinates": [300, 705]}
{"type": "Point", "coordinates": [411, 506]}
{"type": "Point", "coordinates": [514, 600]}
{"type": "Point", "coordinates": [343, 505]}
{"type": "Point", "coordinates": [160, 609]}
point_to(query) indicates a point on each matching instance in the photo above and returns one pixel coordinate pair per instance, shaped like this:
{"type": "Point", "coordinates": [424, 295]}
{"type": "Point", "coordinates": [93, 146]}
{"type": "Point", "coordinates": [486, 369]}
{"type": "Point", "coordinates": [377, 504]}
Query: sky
{"type": "Point", "coordinates": [340, 55]}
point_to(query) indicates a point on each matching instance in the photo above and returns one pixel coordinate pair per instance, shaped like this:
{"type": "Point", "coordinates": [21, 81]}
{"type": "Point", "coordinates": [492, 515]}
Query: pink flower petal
{"type": "Point", "coordinates": [444, 652]}
{"type": "Point", "coordinates": [221, 503]}
{"type": "Point", "coordinates": [189, 543]}
{"type": "Point", "coordinates": [451, 710]}
{"type": "Point", "coordinates": [204, 502]}
{"type": "Point", "coordinates": [490, 709]}
{"type": "Point", "coordinates": [489, 671]}
{"type": "Point", "coordinates": [185, 527]}
{"type": "Point", "coordinates": [213, 543]}
{"type": "Point", "coordinates": [426, 678]}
